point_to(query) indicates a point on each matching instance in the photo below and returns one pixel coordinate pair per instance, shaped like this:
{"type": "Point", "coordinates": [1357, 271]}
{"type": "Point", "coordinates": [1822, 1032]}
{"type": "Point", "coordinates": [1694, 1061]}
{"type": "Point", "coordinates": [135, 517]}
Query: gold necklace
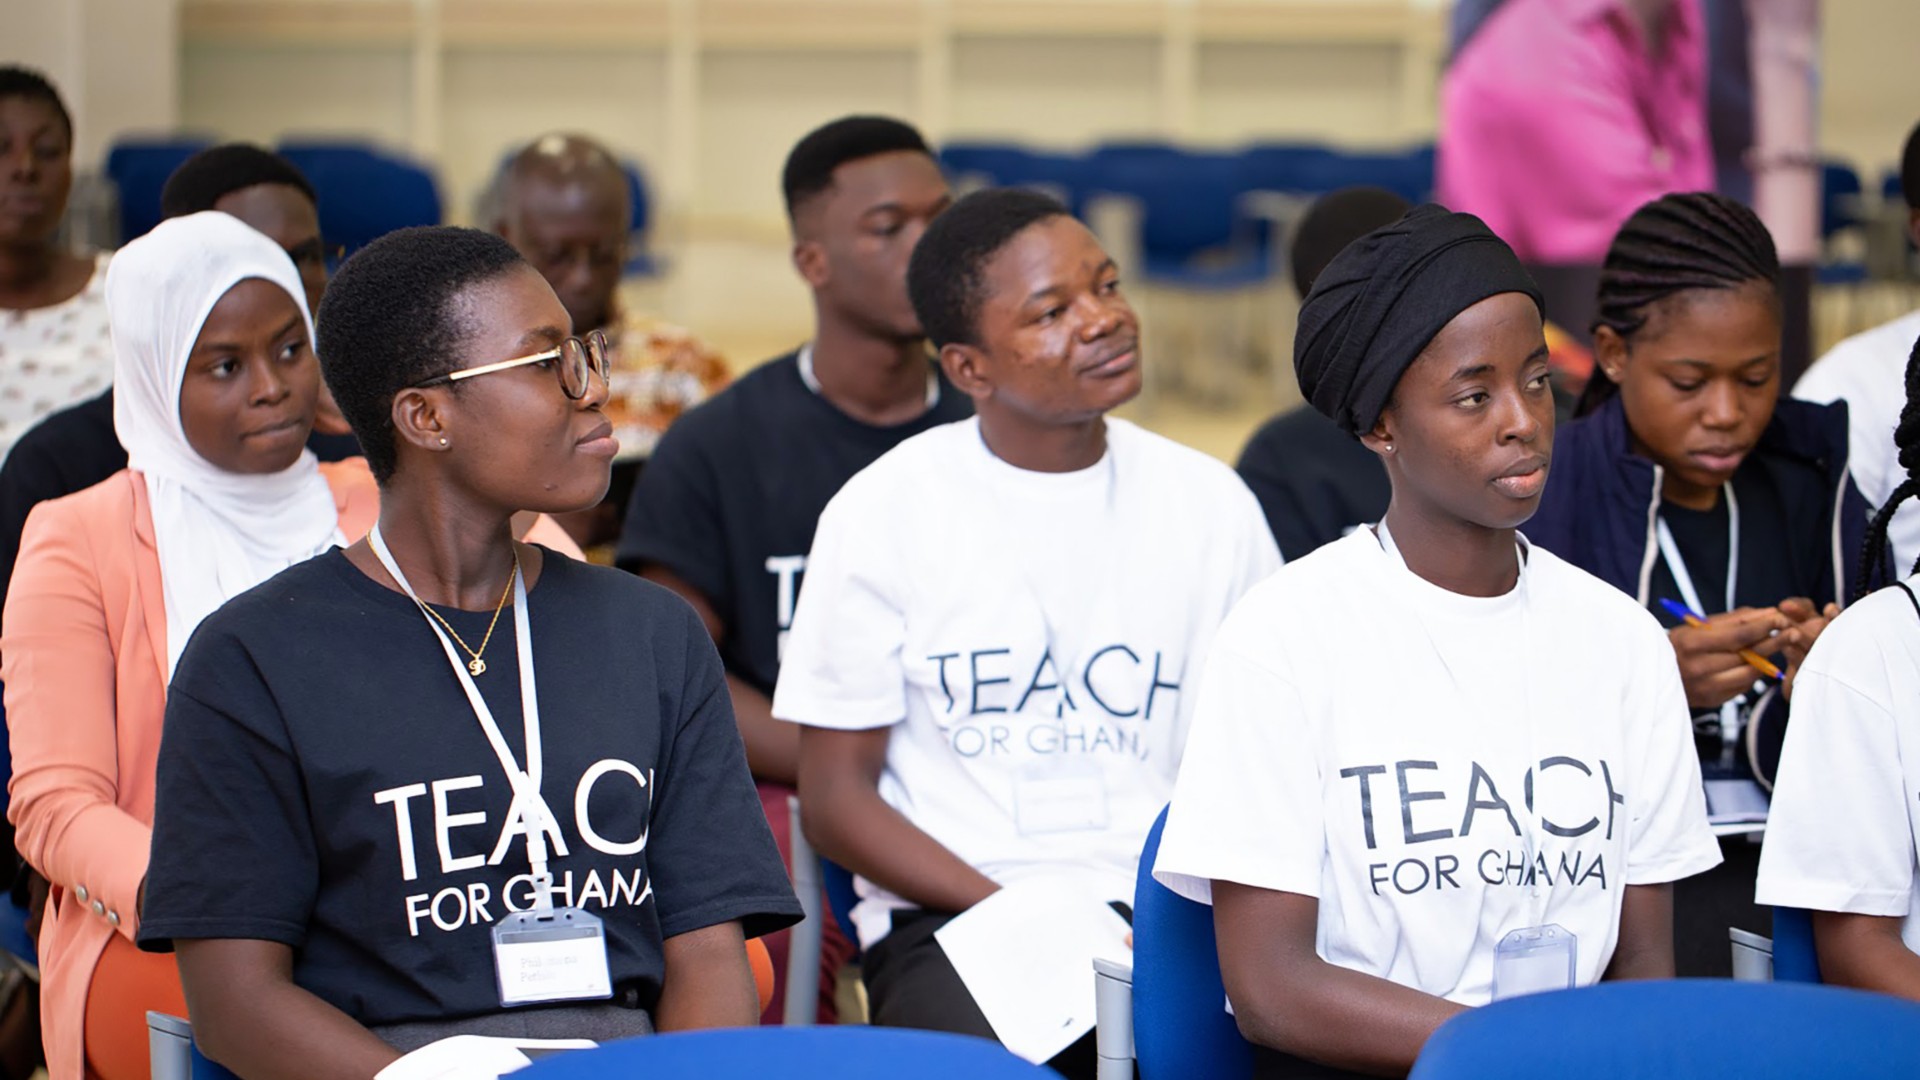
{"type": "Point", "coordinates": [476, 665]}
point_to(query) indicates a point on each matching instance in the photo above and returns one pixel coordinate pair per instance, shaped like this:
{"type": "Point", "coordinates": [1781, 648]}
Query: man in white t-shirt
{"type": "Point", "coordinates": [1865, 371]}
{"type": "Point", "coordinates": [1004, 620]}
{"type": "Point", "coordinates": [1430, 739]}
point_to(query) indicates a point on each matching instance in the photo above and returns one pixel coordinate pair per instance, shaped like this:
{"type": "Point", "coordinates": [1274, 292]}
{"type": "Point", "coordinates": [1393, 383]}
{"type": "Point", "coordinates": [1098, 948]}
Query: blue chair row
{"type": "Point", "coordinates": [1180, 1026]}
{"type": "Point", "coordinates": [364, 192]}
{"type": "Point", "coordinates": [1300, 168]}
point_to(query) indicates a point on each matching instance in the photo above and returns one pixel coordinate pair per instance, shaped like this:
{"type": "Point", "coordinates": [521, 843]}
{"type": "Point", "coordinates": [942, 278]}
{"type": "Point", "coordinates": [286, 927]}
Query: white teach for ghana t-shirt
{"type": "Point", "coordinates": [1841, 835]}
{"type": "Point", "coordinates": [1364, 737]}
{"type": "Point", "coordinates": [1036, 638]}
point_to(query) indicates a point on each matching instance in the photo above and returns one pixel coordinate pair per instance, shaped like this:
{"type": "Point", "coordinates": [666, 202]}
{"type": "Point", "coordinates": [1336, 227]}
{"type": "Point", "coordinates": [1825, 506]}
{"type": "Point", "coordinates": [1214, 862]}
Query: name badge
{"type": "Point", "coordinates": [555, 955]}
{"type": "Point", "coordinates": [1063, 795]}
{"type": "Point", "coordinates": [1533, 959]}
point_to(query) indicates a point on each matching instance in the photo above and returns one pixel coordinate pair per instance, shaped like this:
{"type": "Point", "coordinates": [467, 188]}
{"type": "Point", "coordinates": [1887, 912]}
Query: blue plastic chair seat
{"type": "Point", "coordinates": [1697, 1029]}
{"type": "Point", "coordinates": [839, 1053]}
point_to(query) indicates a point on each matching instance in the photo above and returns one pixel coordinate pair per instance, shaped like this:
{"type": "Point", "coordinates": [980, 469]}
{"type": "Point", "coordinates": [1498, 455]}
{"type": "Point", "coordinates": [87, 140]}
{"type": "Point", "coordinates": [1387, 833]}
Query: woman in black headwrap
{"type": "Point", "coordinates": [1412, 785]}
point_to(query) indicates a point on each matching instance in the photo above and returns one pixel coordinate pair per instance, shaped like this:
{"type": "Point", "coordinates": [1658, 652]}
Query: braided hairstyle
{"type": "Point", "coordinates": [1671, 246]}
{"type": "Point", "coordinates": [1906, 436]}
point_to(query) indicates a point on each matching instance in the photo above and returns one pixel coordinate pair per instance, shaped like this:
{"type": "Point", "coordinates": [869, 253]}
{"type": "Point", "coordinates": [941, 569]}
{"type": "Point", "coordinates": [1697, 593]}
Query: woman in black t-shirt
{"type": "Point", "coordinates": [1687, 483]}
{"type": "Point", "coordinates": [443, 782]}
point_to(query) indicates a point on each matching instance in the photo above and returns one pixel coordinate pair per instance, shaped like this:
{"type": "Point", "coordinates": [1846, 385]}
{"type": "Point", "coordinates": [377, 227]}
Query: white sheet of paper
{"type": "Point", "coordinates": [473, 1057]}
{"type": "Point", "coordinates": [1735, 801]}
{"type": "Point", "coordinates": [1026, 955]}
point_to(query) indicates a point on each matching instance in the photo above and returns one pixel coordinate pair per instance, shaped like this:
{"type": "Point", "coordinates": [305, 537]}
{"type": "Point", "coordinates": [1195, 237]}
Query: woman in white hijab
{"type": "Point", "coordinates": [216, 385]}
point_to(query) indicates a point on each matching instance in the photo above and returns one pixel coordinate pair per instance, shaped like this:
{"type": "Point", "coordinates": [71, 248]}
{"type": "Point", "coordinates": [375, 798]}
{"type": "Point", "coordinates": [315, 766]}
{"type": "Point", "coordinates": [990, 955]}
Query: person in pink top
{"type": "Point", "coordinates": [1558, 118]}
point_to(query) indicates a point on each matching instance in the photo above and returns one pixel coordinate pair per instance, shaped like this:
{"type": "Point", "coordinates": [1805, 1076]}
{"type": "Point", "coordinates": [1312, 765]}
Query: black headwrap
{"type": "Point", "coordinates": [1378, 304]}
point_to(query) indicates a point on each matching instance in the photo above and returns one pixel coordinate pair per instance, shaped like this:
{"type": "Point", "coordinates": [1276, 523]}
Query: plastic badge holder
{"type": "Point", "coordinates": [554, 955]}
{"type": "Point", "coordinates": [1533, 959]}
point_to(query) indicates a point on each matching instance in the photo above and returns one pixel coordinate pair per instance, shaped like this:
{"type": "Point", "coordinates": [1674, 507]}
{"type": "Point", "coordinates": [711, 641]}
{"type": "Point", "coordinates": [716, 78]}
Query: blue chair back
{"type": "Point", "coordinates": [793, 1053]}
{"type": "Point", "coordinates": [1292, 167]}
{"type": "Point", "coordinates": [1408, 173]}
{"type": "Point", "coordinates": [139, 169]}
{"type": "Point", "coordinates": [1188, 202]}
{"type": "Point", "coordinates": [837, 880]}
{"type": "Point", "coordinates": [1697, 1029]}
{"type": "Point", "coordinates": [1794, 957]}
{"type": "Point", "coordinates": [1839, 185]}
{"type": "Point", "coordinates": [364, 193]}
{"type": "Point", "coordinates": [1180, 1022]}
{"type": "Point", "coordinates": [993, 160]}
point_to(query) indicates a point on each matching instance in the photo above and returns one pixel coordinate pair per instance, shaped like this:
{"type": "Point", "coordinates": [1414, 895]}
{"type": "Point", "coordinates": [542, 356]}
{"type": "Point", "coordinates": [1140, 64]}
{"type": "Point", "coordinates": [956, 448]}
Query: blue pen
{"type": "Point", "coordinates": [1693, 618]}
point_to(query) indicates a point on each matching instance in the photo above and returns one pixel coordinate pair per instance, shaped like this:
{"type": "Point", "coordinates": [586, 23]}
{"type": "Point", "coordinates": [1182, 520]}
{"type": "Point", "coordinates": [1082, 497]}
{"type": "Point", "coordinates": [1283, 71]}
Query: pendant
{"type": "Point", "coordinates": [477, 666]}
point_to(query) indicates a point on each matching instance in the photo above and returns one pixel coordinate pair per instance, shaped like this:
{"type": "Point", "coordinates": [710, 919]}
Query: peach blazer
{"type": "Point", "coordinates": [84, 661]}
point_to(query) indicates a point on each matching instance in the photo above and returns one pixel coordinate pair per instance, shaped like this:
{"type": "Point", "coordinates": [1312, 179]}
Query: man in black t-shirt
{"type": "Point", "coordinates": [725, 510]}
{"type": "Point", "coordinates": [1315, 482]}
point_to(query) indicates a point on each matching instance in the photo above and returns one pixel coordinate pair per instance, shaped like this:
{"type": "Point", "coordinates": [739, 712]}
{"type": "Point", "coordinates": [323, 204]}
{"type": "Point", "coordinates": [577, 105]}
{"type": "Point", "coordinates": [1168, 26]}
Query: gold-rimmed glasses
{"type": "Point", "coordinates": [579, 357]}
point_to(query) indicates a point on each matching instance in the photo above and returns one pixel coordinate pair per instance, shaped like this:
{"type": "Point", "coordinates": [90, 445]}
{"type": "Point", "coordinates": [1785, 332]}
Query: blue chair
{"type": "Point", "coordinates": [1840, 193]}
{"type": "Point", "coordinates": [839, 1053]}
{"type": "Point", "coordinates": [174, 1056]}
{"type": "Point", "coordinates": [1794, 957]}
{"type": "Point", "coordinates": [364, 192]}
{"type": "Point", "coordinates": [641, 260]}
{"type": "Point", "coordinates": [139, 168]}
{"type": "Point", "coordinates": [1180, 1022]}
{"type": "Point", "coordinates": [993, 161]}
{"type": "Point", "coordinates": [1699, 1029]}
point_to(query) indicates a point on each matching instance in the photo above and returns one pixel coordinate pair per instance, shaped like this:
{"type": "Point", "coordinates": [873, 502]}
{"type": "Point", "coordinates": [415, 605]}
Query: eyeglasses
{"type": "Point", "coordinates": [578, 357]}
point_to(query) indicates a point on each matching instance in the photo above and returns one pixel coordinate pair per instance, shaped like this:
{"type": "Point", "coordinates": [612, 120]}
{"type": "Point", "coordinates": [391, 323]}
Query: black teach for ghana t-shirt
{"type": "Point", "coordinates": [729, 500]}
{"type": "Point", "coordinates": [324, 783]}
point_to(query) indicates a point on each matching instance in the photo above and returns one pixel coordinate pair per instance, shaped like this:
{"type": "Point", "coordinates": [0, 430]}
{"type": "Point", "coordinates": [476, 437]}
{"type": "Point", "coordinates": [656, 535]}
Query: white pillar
{"type": "Point", "coordinates": [1785, 44]}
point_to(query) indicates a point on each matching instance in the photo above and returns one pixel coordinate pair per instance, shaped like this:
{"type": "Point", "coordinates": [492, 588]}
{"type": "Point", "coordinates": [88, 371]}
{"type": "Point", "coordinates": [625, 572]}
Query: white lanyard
{"type": "Point", "coordinates": [528, 806]}
{"type": "Point", "coordinates": [1683, 580]}
{"type": "Point", "coordinates": [813, 381]}
{"type": "Point", "coordinates": [1677, 566]}
{"type": "Point", "coordinates": [1537, 899]}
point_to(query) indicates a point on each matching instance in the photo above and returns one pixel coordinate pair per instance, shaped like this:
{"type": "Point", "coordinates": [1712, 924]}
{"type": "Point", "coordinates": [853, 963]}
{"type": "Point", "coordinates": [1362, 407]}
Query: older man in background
{"type": "Point", "coordinates": [564, 202]}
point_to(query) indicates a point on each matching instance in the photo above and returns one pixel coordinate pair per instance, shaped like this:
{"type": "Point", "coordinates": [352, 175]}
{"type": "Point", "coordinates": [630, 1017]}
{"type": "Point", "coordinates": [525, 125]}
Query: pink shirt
{"type": "Point", "coordinates": [1556, 124]}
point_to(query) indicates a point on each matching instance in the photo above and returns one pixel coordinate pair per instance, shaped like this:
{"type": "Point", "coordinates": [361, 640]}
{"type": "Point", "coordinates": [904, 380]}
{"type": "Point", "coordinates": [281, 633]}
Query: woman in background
{"type": "Point", "coordinates": [1687, 482]}
{"type": "Point", "coordinates": [216, 388]}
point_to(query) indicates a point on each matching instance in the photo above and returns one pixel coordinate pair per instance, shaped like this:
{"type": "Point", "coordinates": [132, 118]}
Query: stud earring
{"type": "Point", "coordinates": [1389, 448]}
{"type": "Point", "coordinates": [443, 440]}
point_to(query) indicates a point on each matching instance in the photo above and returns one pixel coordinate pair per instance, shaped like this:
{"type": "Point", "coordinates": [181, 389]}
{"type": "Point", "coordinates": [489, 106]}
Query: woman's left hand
{"type": "Point", "coordinates": [1808, 622]}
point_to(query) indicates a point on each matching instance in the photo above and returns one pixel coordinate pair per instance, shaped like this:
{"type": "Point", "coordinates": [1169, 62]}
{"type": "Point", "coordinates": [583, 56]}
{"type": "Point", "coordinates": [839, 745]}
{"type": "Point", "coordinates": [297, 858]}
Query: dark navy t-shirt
{"type": "Point", "coordinates": [729, 500]}
{"type": "Point", "coordinates": [324, 783]}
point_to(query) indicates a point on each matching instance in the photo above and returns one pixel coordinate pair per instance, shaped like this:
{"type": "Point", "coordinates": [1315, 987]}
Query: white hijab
{"type": "Point", "coordinates": [218, 533]}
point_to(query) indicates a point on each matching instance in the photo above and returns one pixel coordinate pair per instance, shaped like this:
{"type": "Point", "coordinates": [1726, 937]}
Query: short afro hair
{"type": "Point", "coordinates": [946, 278]}
{"type": "Point", "coordinates": [21, 82]}
{"type": "Point", "coordinates": [1910, 169]}
{"type": "Point", "coordinates": [391, 319]}
{"type": "Point", "coordinates": [1335, 220]}
{"type": "Point", "coordinates": [811, 163]}
{"type": "Point", "coordinates": [219, 171]}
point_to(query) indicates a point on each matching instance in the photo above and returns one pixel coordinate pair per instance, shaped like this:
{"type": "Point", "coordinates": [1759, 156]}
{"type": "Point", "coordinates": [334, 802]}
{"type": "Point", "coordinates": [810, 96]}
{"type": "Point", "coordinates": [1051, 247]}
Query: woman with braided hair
{"type": "Point", "coordinates": [1686, 483]}
{"type": "Point", "coordinates": [1846, 810]}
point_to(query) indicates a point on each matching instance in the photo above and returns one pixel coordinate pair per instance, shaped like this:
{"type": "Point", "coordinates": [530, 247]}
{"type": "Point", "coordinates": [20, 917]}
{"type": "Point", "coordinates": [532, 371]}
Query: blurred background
{"type": "Point", "coordinates": [1190, 132]}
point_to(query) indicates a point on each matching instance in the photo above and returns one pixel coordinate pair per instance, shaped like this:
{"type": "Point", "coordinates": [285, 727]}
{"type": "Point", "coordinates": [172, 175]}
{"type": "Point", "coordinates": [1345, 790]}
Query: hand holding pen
{"type": "Point", "coordinates": [1717, 654]}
